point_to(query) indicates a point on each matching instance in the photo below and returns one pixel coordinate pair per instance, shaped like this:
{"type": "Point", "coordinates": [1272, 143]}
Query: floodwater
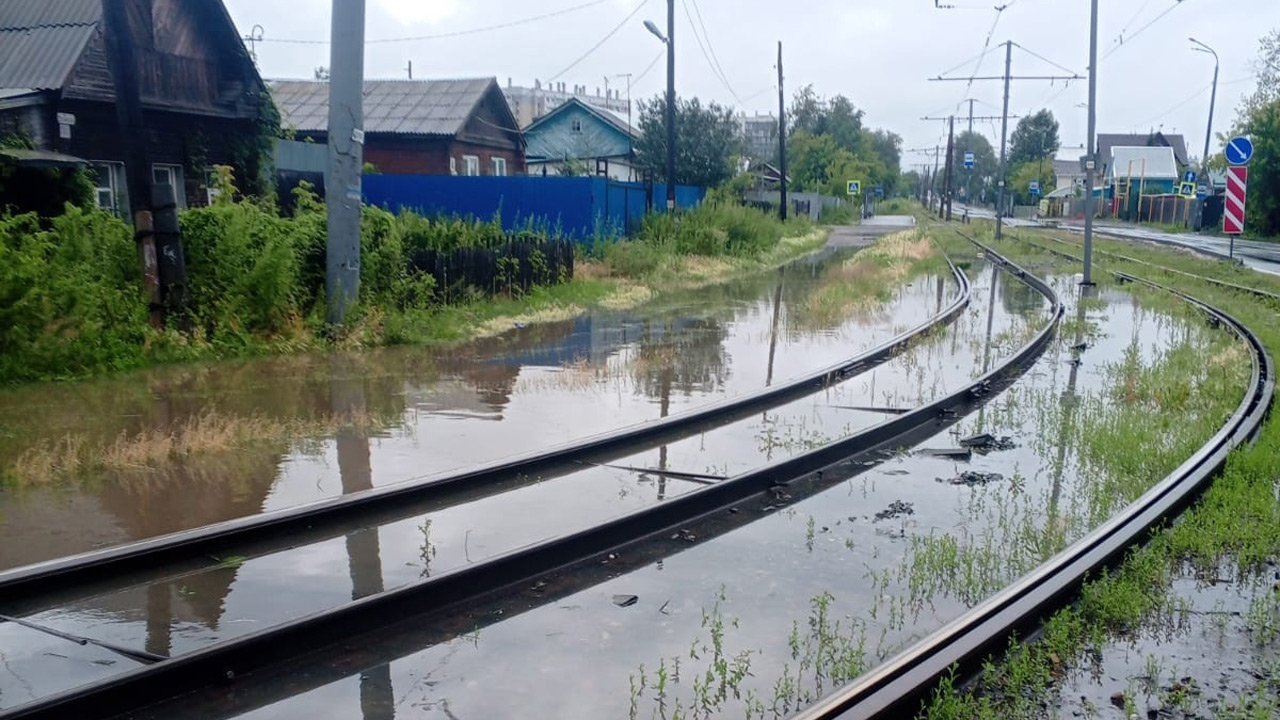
{"type": "Point", "coordinates": [843, 577]}
{"type": "Point", "coordinates": [422, 411]}
{"type": "Point", "coordinates": [182, 611]}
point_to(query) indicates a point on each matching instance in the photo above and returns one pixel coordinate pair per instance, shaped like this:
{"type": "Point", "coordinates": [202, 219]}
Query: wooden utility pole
{"type": "Point", "coordinates": [782, 136]}
{"type": "Point", "coordinates": [123, 63]}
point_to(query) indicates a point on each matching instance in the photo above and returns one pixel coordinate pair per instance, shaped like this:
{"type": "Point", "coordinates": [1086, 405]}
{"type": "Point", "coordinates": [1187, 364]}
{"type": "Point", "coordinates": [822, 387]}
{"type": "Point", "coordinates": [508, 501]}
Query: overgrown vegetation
{"type": "Point", "coordinates": [72, 303]}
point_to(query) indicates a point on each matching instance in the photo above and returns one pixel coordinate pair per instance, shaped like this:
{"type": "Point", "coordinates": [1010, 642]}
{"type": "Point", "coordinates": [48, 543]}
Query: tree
{"type": "Point", "coordinates": [1020, 177]}
{"type": "Point", "coordinates": [1262, 123]}
{"type": "Point", "coordinates": [707, 141]}
{"type": "Point", "coordinates": [819, 164]}
{"type": "Point", "coordinates": [837, 118]}
{"type": "Point", "coordinates": [985, 164]}
{"type": "Point", "coordinates": [1035, 138]}
{"type": "Point", "coordinates": [887, 146]}
{"type": "Point", "coordinates": [1268, 70]}
{"type": "Point", "coordinates": [909, 183]}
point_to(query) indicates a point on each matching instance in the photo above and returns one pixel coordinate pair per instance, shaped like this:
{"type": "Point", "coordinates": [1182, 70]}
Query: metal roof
{"type": "Point", "coordinates": [41, 40]}
{"type": "Point", "coordinates": [395, 107]}
{"type": "Point", "coordinates": [1108, 141]}
{"type": "Point", "coordinates": [1152, 162]}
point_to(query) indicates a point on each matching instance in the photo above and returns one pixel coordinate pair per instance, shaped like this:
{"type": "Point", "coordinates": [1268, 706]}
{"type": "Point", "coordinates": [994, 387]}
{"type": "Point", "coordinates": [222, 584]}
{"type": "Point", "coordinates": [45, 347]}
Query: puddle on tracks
{"type": "Point", "coordinates": [734, 598]}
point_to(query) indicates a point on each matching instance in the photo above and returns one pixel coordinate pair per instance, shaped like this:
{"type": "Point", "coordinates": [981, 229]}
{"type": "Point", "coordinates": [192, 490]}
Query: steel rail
{"type": "Point", "coordinates": [19, 587]}
{"type": "Point", "coordinates": [460, 588]}
{"type": "Point", "coordinates": [899, 687]}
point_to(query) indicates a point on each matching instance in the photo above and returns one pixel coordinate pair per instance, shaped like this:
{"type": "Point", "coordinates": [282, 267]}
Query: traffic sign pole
{"type": "Point", "coordinates": [1233, 208]}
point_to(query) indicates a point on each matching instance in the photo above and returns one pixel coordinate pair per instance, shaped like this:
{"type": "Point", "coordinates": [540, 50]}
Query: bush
{"type": "Point", "coordinates": [713, 229]}
{"type": "Point", "coordinates": [71, 297]}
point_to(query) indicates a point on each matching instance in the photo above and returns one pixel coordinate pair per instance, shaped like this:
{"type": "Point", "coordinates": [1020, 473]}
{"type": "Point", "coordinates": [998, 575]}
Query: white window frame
{"type": "Point", "coordinates": [453, 165]}
{"type": "Point", "coordinates": [472, 165]}
{"type": "Point", "coordinates": [499, 166]}
{"type": "Point", "coordinates": [575, 126]}
{"type": "Point", "coordinates": [112, 172]}
{"type": "Point", "coordinates": [162, 173]}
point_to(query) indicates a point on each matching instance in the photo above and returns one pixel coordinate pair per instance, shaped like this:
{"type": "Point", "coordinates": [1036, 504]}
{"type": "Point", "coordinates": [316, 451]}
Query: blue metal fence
{"type": "Point", "coordinates": [582, 208]}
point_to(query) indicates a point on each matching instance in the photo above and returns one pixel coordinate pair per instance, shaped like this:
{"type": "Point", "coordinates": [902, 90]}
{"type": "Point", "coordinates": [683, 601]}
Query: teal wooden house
{"type": "Point", "coordinates": [576, 138]}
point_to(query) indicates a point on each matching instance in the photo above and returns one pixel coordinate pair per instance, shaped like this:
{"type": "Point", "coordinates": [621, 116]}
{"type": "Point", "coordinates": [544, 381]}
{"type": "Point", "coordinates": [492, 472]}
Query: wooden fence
{"type": "Point", "coordinates": [514, 267]}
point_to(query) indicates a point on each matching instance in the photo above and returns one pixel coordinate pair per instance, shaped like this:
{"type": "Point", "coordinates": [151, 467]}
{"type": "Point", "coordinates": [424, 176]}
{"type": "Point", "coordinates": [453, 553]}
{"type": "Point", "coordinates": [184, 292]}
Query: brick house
{"type": "Point", "coordinates": [202, 96]}
{"type": "Point", "coordinates": [417, 127]}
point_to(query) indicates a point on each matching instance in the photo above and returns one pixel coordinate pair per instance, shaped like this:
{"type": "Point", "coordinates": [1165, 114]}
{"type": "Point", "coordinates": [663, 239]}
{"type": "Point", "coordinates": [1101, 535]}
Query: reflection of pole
{"type": "Point", "coordinates": [1069, 405]}
{"type": "Point", "coordinates": [159, 618]}
{"type": "Point", "coordinates": [364, 555]}
{"type": "Point", "coordinates": [938, 302]}
{"type": "Point", "coordinates": [986, 346]}
{"type": "Point", "coordinates": [664, 408]}
{"type": "Point", "coordinates": [773, 331]}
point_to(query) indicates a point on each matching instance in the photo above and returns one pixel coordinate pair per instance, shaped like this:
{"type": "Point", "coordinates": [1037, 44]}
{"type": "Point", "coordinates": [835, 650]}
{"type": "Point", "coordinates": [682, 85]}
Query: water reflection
{"type": "Point", "coordinates": [414, 411]}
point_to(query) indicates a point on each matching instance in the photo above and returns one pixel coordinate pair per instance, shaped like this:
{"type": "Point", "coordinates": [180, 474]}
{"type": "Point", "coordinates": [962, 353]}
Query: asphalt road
{"type": "Point", "coordinates": [870, 229]}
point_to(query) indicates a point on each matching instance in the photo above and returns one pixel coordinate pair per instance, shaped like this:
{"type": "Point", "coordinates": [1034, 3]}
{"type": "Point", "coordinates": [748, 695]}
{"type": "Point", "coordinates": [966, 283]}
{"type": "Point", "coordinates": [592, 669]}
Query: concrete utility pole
{"type": "Point", "coordinates": [946, 193]}
{"type": "Point", "coordinates": [968, 179]}
{"type": "Point", "coordinates": [1213, 100]}
{"type": "Point", "coordinates": [1091, 160]}
{"type": "Point", "coordinates": [671, 105]}
{"type": "Point", "coordinates": [124, 76]}
{"type": "Point", "coordinates": [1004, 141]}
{"type": "Point", "coordinates": [782, 136]}
{"type": "Point", "coordinates": [346, 157]}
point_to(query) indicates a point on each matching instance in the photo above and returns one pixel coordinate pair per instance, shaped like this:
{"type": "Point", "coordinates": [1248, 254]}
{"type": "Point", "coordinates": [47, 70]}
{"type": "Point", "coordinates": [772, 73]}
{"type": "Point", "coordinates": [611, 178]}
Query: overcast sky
{"type": "Point", "coordinates": [879, 53]}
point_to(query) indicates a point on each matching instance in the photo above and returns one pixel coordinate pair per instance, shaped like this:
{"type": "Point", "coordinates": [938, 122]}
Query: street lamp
{"type": "Point", "coordinates": [670, 41]}
{"type": "Point", "coordinates": [1213, 99]}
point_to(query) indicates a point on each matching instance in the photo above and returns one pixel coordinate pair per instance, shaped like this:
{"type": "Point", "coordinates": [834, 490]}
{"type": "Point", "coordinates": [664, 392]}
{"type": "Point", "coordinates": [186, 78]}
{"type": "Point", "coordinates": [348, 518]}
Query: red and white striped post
{"type": "Point", "coordinates": [1234, 205]}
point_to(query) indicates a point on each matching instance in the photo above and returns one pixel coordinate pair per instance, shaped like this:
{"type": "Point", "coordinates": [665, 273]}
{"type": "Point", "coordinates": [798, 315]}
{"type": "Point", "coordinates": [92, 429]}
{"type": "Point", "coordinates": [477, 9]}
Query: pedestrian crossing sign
{"type": "Point", "coordinates": [855, 187]}
{"type": "Point", "coordinates": [1187, 190]}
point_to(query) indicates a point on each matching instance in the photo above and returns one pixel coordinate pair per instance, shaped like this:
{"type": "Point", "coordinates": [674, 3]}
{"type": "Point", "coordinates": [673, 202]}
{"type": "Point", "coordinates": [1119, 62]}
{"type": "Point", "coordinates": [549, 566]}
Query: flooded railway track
{"type": "Point", "coordinates": [329, 518]}
{"type": "Point", "coordinates": [898, 687]}
{"type": "Point", "coordinates": [559, 565]}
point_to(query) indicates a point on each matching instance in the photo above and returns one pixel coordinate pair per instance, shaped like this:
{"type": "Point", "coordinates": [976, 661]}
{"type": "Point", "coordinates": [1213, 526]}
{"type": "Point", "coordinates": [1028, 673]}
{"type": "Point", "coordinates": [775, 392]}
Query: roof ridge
{"type": "Point", "coordinates": [45, 25]}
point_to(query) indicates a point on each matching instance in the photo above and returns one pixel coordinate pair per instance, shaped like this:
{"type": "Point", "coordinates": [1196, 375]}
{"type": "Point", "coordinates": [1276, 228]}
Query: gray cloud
{"type": "Point", "coordinates": [878, 52]}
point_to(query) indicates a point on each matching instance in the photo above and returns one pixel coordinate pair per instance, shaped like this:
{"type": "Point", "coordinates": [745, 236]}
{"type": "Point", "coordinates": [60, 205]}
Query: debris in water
{"type": "Point", "coordinates": [897, 508]}
{"type": "Point", "coordinates": [972, 478]}
{"type": "Point", "coordinates": [950, 453]}
{"type": "Point", "coordinates": [986, 442]}
{"type": "Point", "coordinates": [896, 472]}
{"type": "Point", "coordinates": [625, 600]}
{"type": "Point", "coordinates": [684, 535]}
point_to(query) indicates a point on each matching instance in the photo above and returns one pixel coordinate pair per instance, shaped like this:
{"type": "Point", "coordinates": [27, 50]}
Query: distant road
{"type": "Point", "coordinates": [871, 228]}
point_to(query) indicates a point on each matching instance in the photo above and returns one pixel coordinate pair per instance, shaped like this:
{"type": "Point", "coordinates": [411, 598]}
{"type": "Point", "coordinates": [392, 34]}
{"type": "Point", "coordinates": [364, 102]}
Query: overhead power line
{"type": "Point", "coordinates": [1122, 40]}
{"type": "Point", "coordinates": [705, 55]}
{"type": "Point", "coordinates": [451, 34]}
{"type": "Point", "coordinates": [648, 67]}
{"type": "Point", "coordinates": [603, 40]}
{"type": "Point", "coordinates": [723, 76]}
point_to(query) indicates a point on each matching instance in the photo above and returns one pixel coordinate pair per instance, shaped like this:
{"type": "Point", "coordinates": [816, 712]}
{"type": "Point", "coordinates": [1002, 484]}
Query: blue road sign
{"type": "Point", "coordinates": [969, 160]}
{"type": "Point", "coordinates": [1187, 190]}
{"type": "Point", "coordinates": [1189, 177]}
{"type": "Point", "coordinates": [855, 187]}
{"type": "Point", "coordinates": [1202, 190]}
{"type": "Point", "coordinates": [1239, 150]}
{"type": "Point", "coordinates": [1035, 187]}
{"type": "Point", "coordinates": [879, 191]}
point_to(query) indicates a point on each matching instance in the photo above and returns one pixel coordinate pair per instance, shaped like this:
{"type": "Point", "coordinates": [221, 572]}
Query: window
{"type": "Point", "coordinates": [472, 163]}
{"type": "Point", "coordinates": [453, 165]}
{"type": "Point", "coordinates": [109, 183]}
{"type": "Point", "coordinates": [170, 175]}
{"type": "Point", "coordinates": [499, 166]}
{"type": "Point", "coordinates": [576, 126]}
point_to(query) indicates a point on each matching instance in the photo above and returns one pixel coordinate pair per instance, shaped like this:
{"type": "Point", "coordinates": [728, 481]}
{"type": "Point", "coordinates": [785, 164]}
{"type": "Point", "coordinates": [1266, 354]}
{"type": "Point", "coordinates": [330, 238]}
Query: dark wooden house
{"type": "Point", "coordinates": [203, 100]}
{"type": "Point", "coordinates": [417, 127]}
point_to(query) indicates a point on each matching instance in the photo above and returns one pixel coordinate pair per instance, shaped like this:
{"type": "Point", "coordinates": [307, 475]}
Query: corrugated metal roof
{"type": "Point", "coordinates": [41, 58]}
{"type": "Point", "coordinates": [1107, 141]}
{"type": "Point", "coordinates": [1153, 162]}
{"type": "Point", "coordinates": [41, 40]}
{"type": "Point", "coordinates": [396, 107]}
{"type": "Point", "coordinates": [23, 14]}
